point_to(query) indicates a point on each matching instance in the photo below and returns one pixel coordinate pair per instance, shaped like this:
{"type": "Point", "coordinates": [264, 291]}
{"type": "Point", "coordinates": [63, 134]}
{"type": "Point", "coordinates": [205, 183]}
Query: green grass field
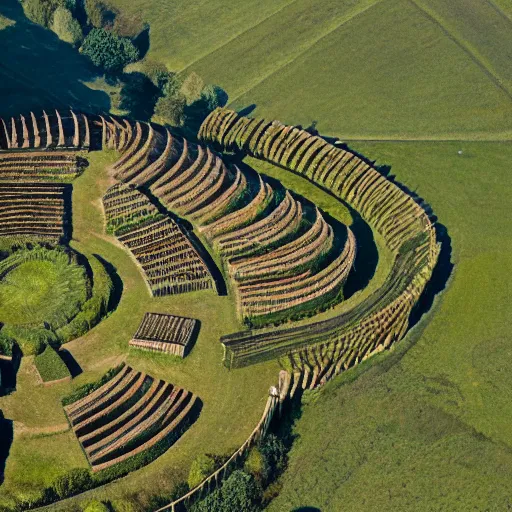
{"type": "Point", "coordinates": [409, 84]}
{"type": "Point", "coordinates": [425, 426]}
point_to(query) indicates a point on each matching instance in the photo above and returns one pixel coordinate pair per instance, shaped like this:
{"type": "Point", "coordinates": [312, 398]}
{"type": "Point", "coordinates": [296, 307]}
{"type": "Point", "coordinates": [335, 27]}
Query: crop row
{"type": "Point", "coordinates": [239, 219]}
{"type": "Point", "coordinates": [165, 328]}
{"type": "Point", "coordinates": [127, 415]}
{"type": "Point", "coordinates": [380, 319]}
{"type": "Point", "coordinates": [167, 257]}
{"type": "Point", "coordinates": [32, 210]}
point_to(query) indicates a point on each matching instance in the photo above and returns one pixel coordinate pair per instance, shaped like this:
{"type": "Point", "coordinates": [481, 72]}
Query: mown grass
{"type": "Point", "coordinates": [425, 426]}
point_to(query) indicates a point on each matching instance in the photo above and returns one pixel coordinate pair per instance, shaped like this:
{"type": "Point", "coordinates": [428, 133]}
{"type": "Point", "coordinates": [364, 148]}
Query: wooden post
{"type": "Point", "coordinates": [62, 141]}
{"type": "Point", "coordinates": [37, 138]}
{"type": "Point", "coordinates": [76, 136]}
{"type": "Point", "coordinates": [26, 142]}
{"type": "Point", "coordinates": [87, 140]}
{"type": "Point", "coordinates": [49, 138]}
{"type": "Point", "coordinates": [14, 134]}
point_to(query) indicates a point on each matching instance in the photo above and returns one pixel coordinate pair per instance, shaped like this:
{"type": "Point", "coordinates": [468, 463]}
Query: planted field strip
{"type": "Point", "coordinates": [124, 205]}
{"type": "Point", "coordinates": [266, 297]}
{"type": "Point", "coordinates": [165, 333]}
{"type": "Point", "coordinates": [29, 166]}
{"type": "Point", "coordinates": [55, 130]}
{"type": "Point", "coordinates": [129, 414]}
{"type": "Point", "coordinates": [170, 262]}
{"type": "Point", "coordinates": [382, 318]}
{"type": "Point", "coordinates": [33, 209]}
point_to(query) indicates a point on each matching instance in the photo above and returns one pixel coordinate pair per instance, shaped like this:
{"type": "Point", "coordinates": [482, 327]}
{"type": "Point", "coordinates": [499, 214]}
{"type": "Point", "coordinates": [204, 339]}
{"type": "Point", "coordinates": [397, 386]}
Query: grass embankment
{"type": "Point", "coordinates": [232, 401]}
{"type": "Point", "coordinates": [427, 423]}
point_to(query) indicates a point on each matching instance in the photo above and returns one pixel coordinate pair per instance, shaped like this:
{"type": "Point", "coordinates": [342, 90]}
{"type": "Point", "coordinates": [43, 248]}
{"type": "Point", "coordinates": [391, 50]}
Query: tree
{"type": "Point", "coordinates": [170, 109]}
{"type": "Point", "coordinates": [214, 96]}
{"type": "Point", "coordinates": [192, 88]}
{"type": "Point", "coordinates": [99, 15]}
{"type": "Point", "coordinates": [138, 96]}
{"type": "Point", "coordinates": [66, 27]}
{"type": "Point", "coordinates": [109, 51]}
{"type": "Point", "coordinates": [202, 467]}
{"type": "Point", "coordinates": [42, 11]}
{"type": "Point", "coordinates": [240, 492]}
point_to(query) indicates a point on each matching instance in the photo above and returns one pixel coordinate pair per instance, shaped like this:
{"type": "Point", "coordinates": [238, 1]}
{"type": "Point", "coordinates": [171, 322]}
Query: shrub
{"type": "Point", "coordinates": [73, 482]}
{"type": "Point", "coordinates": [202, 467]}
{"type": "Point", "coordinates": [6, 344]}
{"type": "Point", "coordinates": [42, 11]}
{"type": "Point", "coordinates": [99, 14]}
{"type": "Point", "coordinates": [94, 309]}
{"type": "Point", "coordinates": [192, 88]}
{"type": "Point", "coordinates": [50, 366]}
{"type": "Point", "coordinates": [170, 110]}
{"type": "Point", "coordinates": [32, 341]}
{"type": "Point", "coordinates": [275, 455]}
{"type": "Point", "coordinates": [126, 505]}
{"type": "Point", "coordinates": [96, 506]}
{"type": "Point", "coordinates": [108, 50]}
{"type": "Point", "coordinates": [66, 27]}
{"type": "Point", "coordinates": [156, 72]}
{"type": "Point", "coordinates": [256, 465]}
{"type": "Point", "coordinates": [214, 96]}
{"type": "Point", "coordinates": [239, 492]}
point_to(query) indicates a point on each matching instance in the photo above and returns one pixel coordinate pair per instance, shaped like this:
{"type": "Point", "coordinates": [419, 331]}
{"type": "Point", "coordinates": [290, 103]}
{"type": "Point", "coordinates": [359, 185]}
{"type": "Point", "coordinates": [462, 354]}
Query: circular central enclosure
{"type": "Point", "coordinates": [41, 286]}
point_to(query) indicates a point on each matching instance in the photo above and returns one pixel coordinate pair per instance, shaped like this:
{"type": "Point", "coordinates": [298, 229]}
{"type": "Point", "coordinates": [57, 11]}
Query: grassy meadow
{"type": "Point", "coordinates": [423, 86]}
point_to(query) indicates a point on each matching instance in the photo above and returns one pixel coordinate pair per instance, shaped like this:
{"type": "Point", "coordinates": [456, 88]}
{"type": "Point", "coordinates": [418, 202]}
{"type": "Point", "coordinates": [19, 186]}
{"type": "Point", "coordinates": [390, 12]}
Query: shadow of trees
{"type": "Point", "coordinates": [6, 437]}
{"type": "Point", "coordinates": [39, 71]}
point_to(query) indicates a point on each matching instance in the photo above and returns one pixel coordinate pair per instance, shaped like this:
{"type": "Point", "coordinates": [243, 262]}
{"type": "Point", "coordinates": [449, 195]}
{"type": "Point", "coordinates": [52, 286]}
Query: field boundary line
{"type": "Point", "coordinates": [302, 52]}
{"type": "Point", "coordinates": [499, 10]}
{"type": "Point", "coordinates": [464, 46]}
{"type": "Point", "coordinates": [225, 43]}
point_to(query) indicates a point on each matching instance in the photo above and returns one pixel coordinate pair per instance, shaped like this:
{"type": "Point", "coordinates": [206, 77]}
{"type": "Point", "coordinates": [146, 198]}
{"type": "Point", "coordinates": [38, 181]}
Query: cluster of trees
{"type": "Point", "coordinates": [186, 101]}
{"type": "Point", "coordinates": [102, 33]}
{"type": "Point", "coordinates": [112, 41]}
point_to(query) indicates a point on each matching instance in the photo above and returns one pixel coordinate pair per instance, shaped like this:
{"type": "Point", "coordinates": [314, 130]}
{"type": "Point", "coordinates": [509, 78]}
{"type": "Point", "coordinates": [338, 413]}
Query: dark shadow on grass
{"type": "Point", "coordinates": [9, 370]}
{"type": "Point", "coordinates": [73, 366]}
{"type": "Point", "coordinates": [117, 282]}
{"type": "Point", "coordinates": [6, 437]}
{"type": "Point", "coordinates": [141, 42]}
{"type": "Point", "coordinates": [193, 338]}
{"type": "Point", "coordinates": [39, 71]}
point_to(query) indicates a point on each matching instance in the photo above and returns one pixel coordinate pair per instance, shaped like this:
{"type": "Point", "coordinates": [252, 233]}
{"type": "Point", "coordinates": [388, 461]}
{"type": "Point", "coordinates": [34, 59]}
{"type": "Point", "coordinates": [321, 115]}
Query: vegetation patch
{"type": "Point", "coordinates": [50, 365]}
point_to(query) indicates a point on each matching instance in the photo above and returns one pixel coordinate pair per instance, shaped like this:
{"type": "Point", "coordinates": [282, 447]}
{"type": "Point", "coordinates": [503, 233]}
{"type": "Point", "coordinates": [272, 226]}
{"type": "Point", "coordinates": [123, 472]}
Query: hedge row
{"type": "Point", "coordinates": [87, 389]}
{"type": "Point", "coordinates": [50, 366]}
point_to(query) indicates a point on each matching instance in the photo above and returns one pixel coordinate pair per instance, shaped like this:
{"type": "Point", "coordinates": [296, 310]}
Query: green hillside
{"type": "Point", "coordinates": [422, 86]}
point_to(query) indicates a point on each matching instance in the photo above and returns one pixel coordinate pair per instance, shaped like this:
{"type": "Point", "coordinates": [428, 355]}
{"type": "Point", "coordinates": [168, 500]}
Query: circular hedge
{"type": "Point", "coordinates": [41, 287]}
{"type": "Point", "coordinates": [47, 297]}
